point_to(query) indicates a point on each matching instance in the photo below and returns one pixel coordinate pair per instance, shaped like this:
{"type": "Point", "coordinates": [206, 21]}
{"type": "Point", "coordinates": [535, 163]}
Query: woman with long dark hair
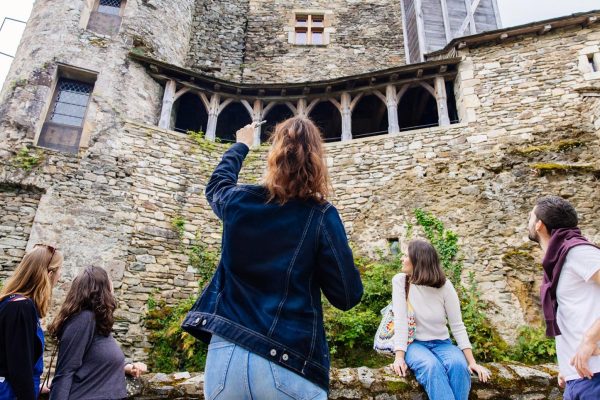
{"type": "Point", "coordinates": [25, 299]}
{"type": "Point", "coordinates": [283, 244]}
{"type": "Point", "coordinates": [90, 363]}
{"type": "Point", "coordinates": [441, 367]}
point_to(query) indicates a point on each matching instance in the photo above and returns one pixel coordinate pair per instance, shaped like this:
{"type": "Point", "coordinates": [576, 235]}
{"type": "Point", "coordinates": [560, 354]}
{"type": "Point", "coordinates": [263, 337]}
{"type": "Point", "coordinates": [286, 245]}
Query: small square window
{"type": "Point", "coordinates": [317, 37]}
{"type": "Point", "coordinates": [301, 36]}
{"type": "Point", "coordinates": [112, 7]}
{"type": "Point", "coordinates": [309, 29]}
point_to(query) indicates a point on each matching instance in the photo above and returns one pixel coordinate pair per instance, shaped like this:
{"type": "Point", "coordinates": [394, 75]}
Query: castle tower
{"type": "Point", "coordinates": [429, 25]}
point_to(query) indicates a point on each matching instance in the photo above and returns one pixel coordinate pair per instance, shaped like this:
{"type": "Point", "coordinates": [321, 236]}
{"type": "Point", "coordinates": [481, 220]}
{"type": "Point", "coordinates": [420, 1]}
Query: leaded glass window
{"type": "Point", "coordinates": [71, 102]}
{"type": "Point", "coordinates": [110, 7]}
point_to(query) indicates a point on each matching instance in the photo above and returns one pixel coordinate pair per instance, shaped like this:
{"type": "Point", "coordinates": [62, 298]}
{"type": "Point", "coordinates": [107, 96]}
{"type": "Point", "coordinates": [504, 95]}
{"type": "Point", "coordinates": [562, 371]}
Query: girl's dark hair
{"type": "Point", "coordinates": [427, 270]}
{"type": "Point", "coordinates": [91, 290]}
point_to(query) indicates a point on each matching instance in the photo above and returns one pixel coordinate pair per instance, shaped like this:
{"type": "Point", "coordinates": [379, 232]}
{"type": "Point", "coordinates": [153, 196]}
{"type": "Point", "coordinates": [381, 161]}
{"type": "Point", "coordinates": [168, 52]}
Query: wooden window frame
{"type": "Point", "coordinates": [309, 28]}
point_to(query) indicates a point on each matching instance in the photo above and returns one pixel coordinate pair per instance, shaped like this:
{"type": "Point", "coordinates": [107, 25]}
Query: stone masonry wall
{"type": "Point", "coordinates": [248, 40]}
{"type": "Point", "coordinates": [17, 211]}
{"type": "Point", "coordinates": [218, 38]}
{"type": "Point", "coordinates": [526, 133]}
{"type": "Point", "coordinates": [368, 36]}
{"type": "Point", "coordinates": [509, 382]}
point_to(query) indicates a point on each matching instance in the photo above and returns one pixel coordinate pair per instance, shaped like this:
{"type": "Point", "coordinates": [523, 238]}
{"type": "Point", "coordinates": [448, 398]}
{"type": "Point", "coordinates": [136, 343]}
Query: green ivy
{"type": "Point", "coordinates": [26, 160]}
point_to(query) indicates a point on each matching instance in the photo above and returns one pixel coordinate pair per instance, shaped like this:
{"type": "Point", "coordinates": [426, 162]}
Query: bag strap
{"type": "Point", "coordinates": [47, 378]}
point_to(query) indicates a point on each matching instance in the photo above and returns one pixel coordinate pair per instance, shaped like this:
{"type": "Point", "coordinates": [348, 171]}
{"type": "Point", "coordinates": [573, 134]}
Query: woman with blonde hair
{"type": "Point", "coordinates": [24, 299]}
{"type": "Point", "coordinates": [283, 244]}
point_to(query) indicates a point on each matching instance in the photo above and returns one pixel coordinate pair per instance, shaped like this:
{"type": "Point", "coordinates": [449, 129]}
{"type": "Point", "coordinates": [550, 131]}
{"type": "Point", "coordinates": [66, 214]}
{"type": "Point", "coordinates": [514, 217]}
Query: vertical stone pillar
{"type": "Point", "coordinates": [167, 105]}
{"type": "Point", "coordinates": [346, 111]}
{"type": "Point", "coordinates": [257, 115]}
{"type": "Point", "coordinates": [301, 108]}
{"type": "Point", "coordinates": [392, 109]}
{"type": "Point", "coordinates": [213, 115]}
{"type": "Point", "coordinates": [442, 101]}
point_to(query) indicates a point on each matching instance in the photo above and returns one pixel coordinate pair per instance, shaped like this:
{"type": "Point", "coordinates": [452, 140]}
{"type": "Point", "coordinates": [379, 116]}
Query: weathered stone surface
{"type": "Point", "coordinates": [383, 385]}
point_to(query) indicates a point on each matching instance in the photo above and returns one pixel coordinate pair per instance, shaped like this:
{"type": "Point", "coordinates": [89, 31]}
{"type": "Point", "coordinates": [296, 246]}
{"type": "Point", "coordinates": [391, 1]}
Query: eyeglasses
{"type": "Point", "coordinates": [52, 251]}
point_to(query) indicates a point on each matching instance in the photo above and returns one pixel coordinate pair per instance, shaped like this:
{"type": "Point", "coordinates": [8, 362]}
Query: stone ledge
{"type": "Point", "coordinates": [509, 381]}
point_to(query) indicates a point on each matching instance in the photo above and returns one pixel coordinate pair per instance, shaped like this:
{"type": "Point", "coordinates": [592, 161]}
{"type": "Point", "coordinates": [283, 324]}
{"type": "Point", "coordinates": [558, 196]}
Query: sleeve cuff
{"type": "Point", "coordinates": [241, 148]}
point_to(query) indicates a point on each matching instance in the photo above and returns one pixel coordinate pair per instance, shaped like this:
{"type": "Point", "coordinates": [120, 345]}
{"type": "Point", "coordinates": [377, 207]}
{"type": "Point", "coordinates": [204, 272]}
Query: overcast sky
{"type": "Point", "coordinates": [512, 12]}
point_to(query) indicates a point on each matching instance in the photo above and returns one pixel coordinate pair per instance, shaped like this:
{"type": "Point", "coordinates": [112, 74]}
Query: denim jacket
{"type": "Point", "coordinates": [276, 259]}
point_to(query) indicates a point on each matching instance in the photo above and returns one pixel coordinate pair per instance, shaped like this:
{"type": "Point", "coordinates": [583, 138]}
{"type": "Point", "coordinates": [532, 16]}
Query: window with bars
{"type": "Point", "coordinates": [112, 7]}
{"type": "Point", "coordinates": [70, 102]}
{"type": "Point", "coordinates": [309, 29]}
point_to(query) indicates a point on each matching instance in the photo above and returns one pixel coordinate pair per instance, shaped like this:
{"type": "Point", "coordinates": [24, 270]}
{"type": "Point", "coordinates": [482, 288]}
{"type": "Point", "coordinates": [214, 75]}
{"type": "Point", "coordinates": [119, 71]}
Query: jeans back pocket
{"type": "Point", "coordinates": [217, 364]}
{"type": "Point", "coordinates": [294, 385]}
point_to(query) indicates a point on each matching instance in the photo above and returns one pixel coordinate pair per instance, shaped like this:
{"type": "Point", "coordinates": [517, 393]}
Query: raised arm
{"type": "Point", "coordinates": [74, 342]}
{"type": "Point", "coordinates": [224, 178]}
{"type": "Point", "coordinates": [338, 277]}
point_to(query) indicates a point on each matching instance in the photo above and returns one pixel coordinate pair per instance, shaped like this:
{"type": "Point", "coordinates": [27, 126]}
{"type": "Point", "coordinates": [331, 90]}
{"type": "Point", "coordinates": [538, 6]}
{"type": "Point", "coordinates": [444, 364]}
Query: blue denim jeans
{"type": "Point", "coordinates": [583, 389]}
{"type": "Point", "coordinates": [441, 368]}
{"type": "Point", "coordinates": [234, 373]}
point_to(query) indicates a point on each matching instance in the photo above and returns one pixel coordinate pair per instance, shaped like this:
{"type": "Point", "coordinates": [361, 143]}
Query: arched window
{"type": "Point", "coordinates": [417, 109]}
{"type": "Point", "coordinates": [369, 117]}
{"type": "Point", "coordinates": [231, 119]}
{"type": "Point", "coordinates": [328, 119]}
{"type": "Point", "coordinates": [275, 115]}
{"type": "Point", "coordinates": [190, 113]}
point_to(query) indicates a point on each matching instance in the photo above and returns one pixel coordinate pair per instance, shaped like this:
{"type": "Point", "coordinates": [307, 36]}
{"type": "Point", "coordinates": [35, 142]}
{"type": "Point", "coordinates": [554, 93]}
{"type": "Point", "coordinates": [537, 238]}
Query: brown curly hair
{"type": "Point", "coordinates": [91, 290]}
{"type": "Point", "coordinates": [296, 167]}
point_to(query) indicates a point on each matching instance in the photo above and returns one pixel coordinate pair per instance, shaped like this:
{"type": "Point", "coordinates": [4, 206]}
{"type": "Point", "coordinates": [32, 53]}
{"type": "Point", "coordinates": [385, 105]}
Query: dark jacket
{"type": "Point", "coordinates": [20, 347]}
{"type": "Point", "coordinates": [276, 259]}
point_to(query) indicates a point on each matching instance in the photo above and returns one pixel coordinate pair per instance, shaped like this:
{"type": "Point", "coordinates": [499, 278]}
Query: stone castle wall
{"type": "Point", "coordinates": [247, 41]}
{"type": "Point", "coordinates": [526, 130]}
{"type": "Point", "coordinates": [367, 37]}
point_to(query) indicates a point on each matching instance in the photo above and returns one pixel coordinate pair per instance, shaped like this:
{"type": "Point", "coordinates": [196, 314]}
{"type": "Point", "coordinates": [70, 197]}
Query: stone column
{"type": "Point", "coordinates": [213, 115]}
{"type": "Point", "coordinates": [167, 105]}
{"type": "Point", "coordinates": [257, 116]}
{"type": "Point", "coordinates": [442, 101]}
{"type": "Point", "coordinates": [346, 111]}
{"type": "Point", "coordinates": [392, 109]}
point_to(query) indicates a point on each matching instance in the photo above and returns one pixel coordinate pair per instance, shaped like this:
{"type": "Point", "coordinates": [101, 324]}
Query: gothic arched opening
{"type": "Point", "coordinates": [190, 113]}
{"type": "Point", "coordinates": [417, 109]}
{"type": "Point", "coordinates": [231, 119]}
{"type": "Point", "coordinates": [369, 117]}
{"type": "Point", "coordinates": [277, 114]}
{"type": "Point", "coordinates": [328, 119]}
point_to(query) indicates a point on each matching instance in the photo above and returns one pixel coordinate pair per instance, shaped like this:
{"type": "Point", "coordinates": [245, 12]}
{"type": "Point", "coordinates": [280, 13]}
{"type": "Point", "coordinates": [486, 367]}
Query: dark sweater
{"type": "Point", "coordinates": [90, 366]}
{"type": "Point", "coordinates": [19, 346]}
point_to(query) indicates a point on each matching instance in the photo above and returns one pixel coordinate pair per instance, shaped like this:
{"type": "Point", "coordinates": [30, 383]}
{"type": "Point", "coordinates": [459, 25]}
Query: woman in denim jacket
{"type": "Point", "coordinates": [283, 244]}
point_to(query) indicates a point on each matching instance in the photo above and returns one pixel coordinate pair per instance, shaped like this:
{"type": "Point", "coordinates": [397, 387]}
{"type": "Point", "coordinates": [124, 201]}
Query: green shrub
{"type": "Point", "coordinates": [533, 347]}
{"type": "Point", "coordinates": [487, 343]}
{"type": "Point", "coordinates": [172, 348]}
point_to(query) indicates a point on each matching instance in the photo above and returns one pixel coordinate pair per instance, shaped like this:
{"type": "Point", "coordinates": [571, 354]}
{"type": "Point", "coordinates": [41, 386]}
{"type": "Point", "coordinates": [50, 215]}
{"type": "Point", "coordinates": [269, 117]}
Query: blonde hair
{"type": "Point", "coordinates": [33, 278]}
{"type": "Point", "coordinates": [295, 166]}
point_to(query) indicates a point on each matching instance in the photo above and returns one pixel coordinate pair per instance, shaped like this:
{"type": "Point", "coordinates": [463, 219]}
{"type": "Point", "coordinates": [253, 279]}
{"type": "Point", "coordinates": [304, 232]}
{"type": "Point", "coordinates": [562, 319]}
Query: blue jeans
{"type": "Point", "coordinates": [234, 373]}
{"type": "Point", "coordinates": [441, 368]}
{"type": "Point", "coordinates": [583, 389]}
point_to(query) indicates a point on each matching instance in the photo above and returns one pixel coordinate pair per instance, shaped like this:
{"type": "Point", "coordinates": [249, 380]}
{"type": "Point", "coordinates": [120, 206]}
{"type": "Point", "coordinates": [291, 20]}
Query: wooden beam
{"type": "Point", "coordinates": [419, 72]}
{"type": "Point", "coordinates": [167, 105]}
{"type": "Point", "coordinates": [420, 30]}
{"type": "Point", "coordinates": [405, 37]}
{"type": "Point", "coordinates": [443, 69]}
{"type": "Point", "coordinates": [504, 36]}
{"type": "Point", "coordinates": [545, 29]}
{"type": "Point", "coordinates": [447, 28]}
{"type": "Point", "coordinates": [461, 45]}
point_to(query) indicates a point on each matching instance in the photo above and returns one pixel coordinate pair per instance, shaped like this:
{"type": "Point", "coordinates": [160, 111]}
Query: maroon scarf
{"type": "Point", "coordinates": [561, 241]}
